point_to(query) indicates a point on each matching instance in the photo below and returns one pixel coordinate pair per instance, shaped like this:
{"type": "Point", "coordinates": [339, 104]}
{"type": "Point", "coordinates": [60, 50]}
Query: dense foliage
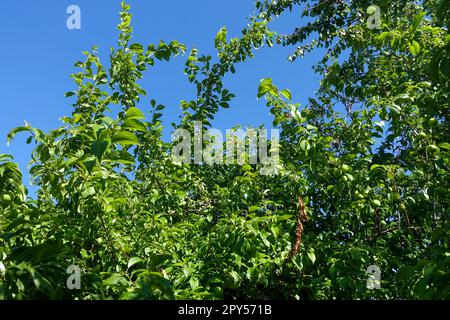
{"type": "Point", "coordinates": [365, 186]}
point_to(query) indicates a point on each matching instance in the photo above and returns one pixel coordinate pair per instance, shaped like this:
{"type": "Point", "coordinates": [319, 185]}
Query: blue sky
{"type": "Point", "coordinates": [38, 53]}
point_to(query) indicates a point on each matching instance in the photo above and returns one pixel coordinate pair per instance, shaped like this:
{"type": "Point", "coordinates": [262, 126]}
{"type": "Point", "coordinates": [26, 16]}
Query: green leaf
{"type": "Point", "coordinates": [12, 133]}
{"type": "Point", "coordinates": [376, 166]}
{"type": "Point", "coordinates": [266, 86]}
{"type": "Point", "coordinates": [38, 253]}
{"type": "Point", "coordinates": [235, 276]}
{"type": "Point", "coordinates": [417, 20]}
{"type": "Point", "coordinates": [136, 47]}
{"type": "Point", "coordinates": [134, 113]}
{"type": "Point", "coordinates": [284, 217]}
{"type": "Point", "coordinates": [444, 145]}
{"type": "Point", "coordinates": [221, 37]}
{"type": "Point", "coordinates": [125, 138]}
{"type": "Point", "coordinates": [121, 157]}
{"type": "Point", "coordinates": [115, 279]}
{"type": "Point", "coordinates": [89, 163]}
{"type": "Point", "coordinates": [376, 203]}
{"type": "Point", "coordinates": [158, 259]}
{"type": "Point", "coordinates": [414, 48]}
{"type": "Point", "coordinates": [194, 283]}
{"type": "Point", "coordinates": [39, 281]}
{"type": "Point", "coordinates": [134, 125]}
{"type": "Point", "coordinates": [311, 255]}
{"type": "Point", "coordinates": [395, 109]}
{"type": "Point", "coordinates": [99, 147]}
{"type": "Point", "coordinates": [304, 145]}
{"type": "Point", "coordinates": [2, 291]}
{"type": "Point", "coordinates": [134, 261]}
{"type": "Point", "coordinates": [287, 94]}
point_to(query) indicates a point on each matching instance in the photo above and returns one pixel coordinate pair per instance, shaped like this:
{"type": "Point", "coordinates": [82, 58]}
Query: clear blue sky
{"type": "Point", "coordinates": [38, 53]}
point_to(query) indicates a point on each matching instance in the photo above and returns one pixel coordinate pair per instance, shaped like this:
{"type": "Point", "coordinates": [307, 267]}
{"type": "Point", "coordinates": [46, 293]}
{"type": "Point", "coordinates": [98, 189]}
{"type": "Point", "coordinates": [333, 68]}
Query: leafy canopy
{"type": "Point", "coordinates": [363, 177]}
